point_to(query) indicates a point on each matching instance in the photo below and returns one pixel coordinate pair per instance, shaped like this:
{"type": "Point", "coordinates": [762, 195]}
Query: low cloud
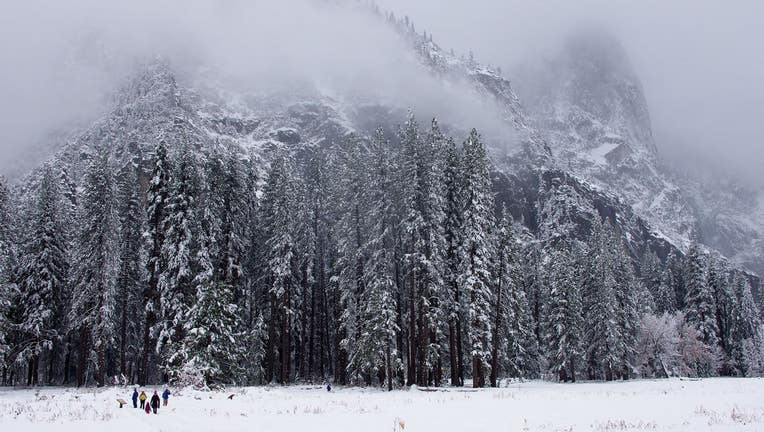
{"type": "Point", "coordinates": [700, 62]}
{"type": "Point", "coordinates": [65, 58]}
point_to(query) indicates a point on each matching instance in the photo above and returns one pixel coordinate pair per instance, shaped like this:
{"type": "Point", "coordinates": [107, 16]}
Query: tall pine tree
{"type": "Point", "coordinates": [564, 321]}
{"type": "Point", "coordinates": [94, 295]}
{"type": "Point", "coordinates": [700, 309]}
{"type": "Point", "coordinates": [475, 253]}
{"type": "Point", "coordinates": [129, 283]}
{"type": "Point", "coordinates": [43, 278]}
{"type": "Point", "coordinates": [175, 283]}
{"type": "Point", "coordinates": [376, 352]}
{"type": "Point", "coordinates": [278, 208]}
{"type": "Point", "coordinates": [157, 199]}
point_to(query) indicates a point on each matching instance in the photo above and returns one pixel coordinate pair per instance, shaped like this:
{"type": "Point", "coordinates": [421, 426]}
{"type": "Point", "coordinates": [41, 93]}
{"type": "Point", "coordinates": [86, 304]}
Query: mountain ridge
{"type": "Point", "coordinates": [557, 131]}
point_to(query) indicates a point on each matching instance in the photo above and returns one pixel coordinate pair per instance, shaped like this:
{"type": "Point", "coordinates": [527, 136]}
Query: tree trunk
{"type": "Point", "coordinates": [312, 333]}
{"type": "Point", "coordinates": [67, 358]}
{"type": "Point", "coordinates": [399, 292]}
{"type": "Point", "coordinates": [101, 351]}
{"type": "Point", "coordinates": [284, 356]}
{"type": "Point", "coordinates": [389, 368]}
{"type": "Point", "coordinates": [270, 366]}
{"type": "Point", "coordinates": [411, 379]}
{"type": "Point", "coordinates": [423, 342]}
{"type": "Point", "coordinates": [497, 326]}
{"type": "Point", "coordinates": [459, 352]}
{"type": "Point", "coordinates": [438, 373]}
{"type": "Point", "coordinates": [53, 364]}
{"type": "Point", "coordinates": [83, 357]}
{"type": "Point", "coordinates": [478, 378]}
{"type": "Point", "coordinates": [123, 335]}
{"type": "Point", "coordinates": [452, 354]}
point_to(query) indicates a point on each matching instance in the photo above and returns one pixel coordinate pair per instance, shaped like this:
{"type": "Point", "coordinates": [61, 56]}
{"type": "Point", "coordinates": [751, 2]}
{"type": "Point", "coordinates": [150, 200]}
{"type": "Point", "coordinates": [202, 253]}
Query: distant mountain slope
{"type": "Point", "coordinates": [589, 106]}
{"type": "Point", "coordinates": [582, 140]}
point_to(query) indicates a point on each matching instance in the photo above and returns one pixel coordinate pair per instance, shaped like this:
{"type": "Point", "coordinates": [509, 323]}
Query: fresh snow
{"type": "Point", "coordinates": [598, 154]}
{"type": "Point", "coordinates": [719, 404]}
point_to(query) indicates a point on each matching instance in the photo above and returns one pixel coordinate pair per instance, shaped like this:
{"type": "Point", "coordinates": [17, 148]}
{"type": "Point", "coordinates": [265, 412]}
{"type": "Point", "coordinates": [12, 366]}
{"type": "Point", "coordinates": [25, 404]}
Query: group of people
{"type": "Point", "coordinates": [151, 405]}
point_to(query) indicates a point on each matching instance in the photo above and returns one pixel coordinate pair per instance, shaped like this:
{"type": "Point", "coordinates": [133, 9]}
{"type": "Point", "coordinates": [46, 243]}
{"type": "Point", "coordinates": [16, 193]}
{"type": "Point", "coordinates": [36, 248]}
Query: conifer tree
{"type": "Point", "coordinates": [279, 206]}
{"type": "Point", "coordinates": [376, 353]}
{"type": "Point", "coordinates": [563, 329]}
{"type": "Point", "coordinates": [452, 230]}
{"type": "Point", "coordinates": [347, 281]}
{"type": "Point", "coordinates": [157, 199]}
{"type": "Point", "coordinates": [94, 294]}
{"type": "Point", "coordinates": [602, 335]}
{"type": "Point", "coordinates": [319, 204]}
{"type": "Point", "coordinates": [725, 312]}
{"type": "Point", "coordinates": [411, 241]}
{"type": "Point", "coordinates": [129, 274]}
{"type": "Point", "coordinates": [228, 180]}
{"type": "Point", "coordinates": [43, 278]}
{"type": "Point", "coordinates": [175, 285]}
{"type": "Point", "coordinates": [665, 298]}
{"type": "Point", "coordinates": [475, 253]}
{"type": "Point", "coordinates": [210, 336]}
{"type": "Point", "coordinates": [747, 336]}
{"type": "Point", "coordinates": [513, 341]}
{"type": "Point", "coordinates": [423, 246]}
{"type": "Point", "coordinates": [500, 310]}
{"type": "Point", "coordinates": [537, 296]}
{"type": "Point", "coordinates": [676, 269]}
{"type": "Point", "coordinates": [651, 273]}
{"type": "Point", "coordinates": [627, 294]}
{"type": "Point", "coordinates": [7, 270]}
{"type": "Point", "coordinates": [700, 310]}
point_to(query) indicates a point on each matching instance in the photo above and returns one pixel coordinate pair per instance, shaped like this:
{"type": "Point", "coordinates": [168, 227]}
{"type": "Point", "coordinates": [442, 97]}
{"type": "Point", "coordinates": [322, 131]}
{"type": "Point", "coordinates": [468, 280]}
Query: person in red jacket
{"type": "Point", "coordinates": [148, 408]}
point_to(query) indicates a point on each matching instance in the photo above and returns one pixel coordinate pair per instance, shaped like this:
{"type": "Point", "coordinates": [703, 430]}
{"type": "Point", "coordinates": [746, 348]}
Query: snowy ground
{"type": "Point", "coordinates": [667, 405]}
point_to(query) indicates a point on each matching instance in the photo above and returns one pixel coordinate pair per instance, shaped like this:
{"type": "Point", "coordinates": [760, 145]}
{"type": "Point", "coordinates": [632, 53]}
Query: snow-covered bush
{"type": "Point", "coordinates": [697, 358]}
{"type": "Point", "coordinates": [191, 375]}
{"type": "Point", "coordinates": [668, 346]}
{"type": "Point", "coordinates": [658, 345]}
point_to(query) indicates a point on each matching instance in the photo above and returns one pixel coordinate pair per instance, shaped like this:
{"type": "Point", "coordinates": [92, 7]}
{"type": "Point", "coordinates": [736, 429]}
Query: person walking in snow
{"type": "Point", "coordinates": [155, 402]}
{"type": "Point", "coordinates": [147, 409]}
{"type": "Point", "coordinates": [135, 398]}
{"type": "Point", "coordinates": [165, 395]}
{"type": "Point", "coordinates": [143, 398]}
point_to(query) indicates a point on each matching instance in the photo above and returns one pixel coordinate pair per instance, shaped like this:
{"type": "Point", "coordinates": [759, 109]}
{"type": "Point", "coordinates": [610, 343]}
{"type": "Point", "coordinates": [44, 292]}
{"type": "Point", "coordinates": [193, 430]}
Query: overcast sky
{"type": "Point", "coordinates": [701, 62]}
{"type": "Point", "coordinates": [62, 60]}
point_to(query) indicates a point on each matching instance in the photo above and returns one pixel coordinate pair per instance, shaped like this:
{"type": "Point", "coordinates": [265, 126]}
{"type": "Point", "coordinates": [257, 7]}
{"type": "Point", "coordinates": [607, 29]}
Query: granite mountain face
{"type": "Point", "coordinates": [572, 140]}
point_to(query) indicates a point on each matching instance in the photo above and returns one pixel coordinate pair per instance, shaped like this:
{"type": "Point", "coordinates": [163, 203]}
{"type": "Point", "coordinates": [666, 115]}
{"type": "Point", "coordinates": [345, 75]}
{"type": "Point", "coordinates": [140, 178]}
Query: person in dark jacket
{"type": "Point", "coordinates": [135, 398]}
{"type": "Point", "coordinates": [155, 402]}
{"type": "Point", "coordinates": [165, 395]}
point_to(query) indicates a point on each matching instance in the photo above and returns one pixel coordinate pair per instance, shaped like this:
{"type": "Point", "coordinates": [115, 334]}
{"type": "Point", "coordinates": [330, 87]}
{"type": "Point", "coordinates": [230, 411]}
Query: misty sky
{"type": "Point", "coordinates": [701, 62]}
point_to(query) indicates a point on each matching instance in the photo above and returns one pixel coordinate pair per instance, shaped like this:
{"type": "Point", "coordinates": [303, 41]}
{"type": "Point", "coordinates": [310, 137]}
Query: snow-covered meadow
{"type": "Point", "coordinates": [662, 405]}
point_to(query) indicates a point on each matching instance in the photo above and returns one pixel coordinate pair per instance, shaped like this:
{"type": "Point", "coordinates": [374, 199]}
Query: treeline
{"type": "Point", "coordinates": [383, 261]}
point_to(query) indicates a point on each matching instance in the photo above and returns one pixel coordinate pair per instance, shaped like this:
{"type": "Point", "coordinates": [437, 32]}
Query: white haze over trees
{"type": "Point", "coordinates": [699, 61]}
{"type": "Point", "coordinates": [64, 60]}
